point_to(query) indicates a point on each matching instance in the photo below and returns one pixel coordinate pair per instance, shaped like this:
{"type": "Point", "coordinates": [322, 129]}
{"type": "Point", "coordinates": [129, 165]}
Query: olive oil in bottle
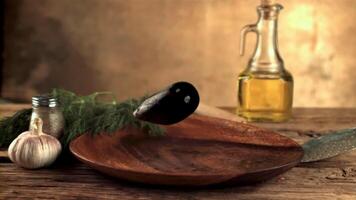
{"type": "Point", "coordinates": [265, 98]}
{"type": "Point", "coordinates": [265, 87]}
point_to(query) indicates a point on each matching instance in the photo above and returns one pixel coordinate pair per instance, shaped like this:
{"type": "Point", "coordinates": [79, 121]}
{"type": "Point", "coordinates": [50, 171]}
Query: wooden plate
{"type": "Point", "coordinates": [195, 152]}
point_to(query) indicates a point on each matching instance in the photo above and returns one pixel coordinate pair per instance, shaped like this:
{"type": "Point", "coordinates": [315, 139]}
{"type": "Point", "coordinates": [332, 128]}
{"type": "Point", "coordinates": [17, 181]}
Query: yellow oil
{"type": "Point", "coordinates": [265, 98]}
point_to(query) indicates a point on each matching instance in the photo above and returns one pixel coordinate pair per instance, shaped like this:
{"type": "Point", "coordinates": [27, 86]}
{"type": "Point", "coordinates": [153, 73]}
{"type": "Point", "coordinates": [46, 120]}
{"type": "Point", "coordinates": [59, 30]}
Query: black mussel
{"type": "Point", "coordinates": [170, 105]}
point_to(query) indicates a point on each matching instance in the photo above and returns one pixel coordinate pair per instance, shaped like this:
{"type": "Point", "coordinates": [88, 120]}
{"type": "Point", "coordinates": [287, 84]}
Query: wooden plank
{"type": "Point", "coordinates": [330, 179]}
{"type": "Point", "coordinates": [10, 109]}
{"type": "Point", "coordinates": [75, 180]}
{"type": "Point", "coordinates": [3, 153]}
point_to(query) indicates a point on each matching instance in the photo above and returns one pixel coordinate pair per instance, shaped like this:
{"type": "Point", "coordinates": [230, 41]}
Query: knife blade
{"type": "Point", "coordinates": [330, 145]}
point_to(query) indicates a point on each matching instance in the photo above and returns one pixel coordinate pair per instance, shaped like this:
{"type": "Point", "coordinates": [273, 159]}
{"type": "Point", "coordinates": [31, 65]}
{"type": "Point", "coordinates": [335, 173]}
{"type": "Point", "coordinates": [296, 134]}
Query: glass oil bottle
{"type": "Point", "coordinates": [265, 87]}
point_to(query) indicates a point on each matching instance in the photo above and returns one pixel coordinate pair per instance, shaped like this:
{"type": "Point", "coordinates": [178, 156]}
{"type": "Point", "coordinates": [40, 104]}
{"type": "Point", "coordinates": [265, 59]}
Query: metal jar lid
{"type": "Point", "coordinates": [45, 100]}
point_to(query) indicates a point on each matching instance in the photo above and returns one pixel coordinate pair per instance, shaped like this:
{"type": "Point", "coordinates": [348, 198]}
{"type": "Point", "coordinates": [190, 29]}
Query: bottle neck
{"type": "Point", "coordinates": [266, 55]}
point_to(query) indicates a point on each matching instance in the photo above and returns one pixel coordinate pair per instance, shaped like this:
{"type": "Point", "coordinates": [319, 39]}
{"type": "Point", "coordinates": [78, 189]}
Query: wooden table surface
{"type": "Point", "coordinates": [332, 179]}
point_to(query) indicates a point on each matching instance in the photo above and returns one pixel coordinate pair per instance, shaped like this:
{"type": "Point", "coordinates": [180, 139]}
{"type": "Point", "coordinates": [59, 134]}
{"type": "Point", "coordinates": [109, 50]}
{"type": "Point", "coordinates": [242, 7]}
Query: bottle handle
{"type": "Point", "coordinates": [246, 29]}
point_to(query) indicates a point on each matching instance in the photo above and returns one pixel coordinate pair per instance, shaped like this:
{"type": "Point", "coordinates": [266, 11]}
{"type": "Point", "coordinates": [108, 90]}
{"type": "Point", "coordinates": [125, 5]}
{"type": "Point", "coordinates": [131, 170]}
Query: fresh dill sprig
{"type": "Point", "coordinates": [11, 127]}
{"type": "Point", "coordinates": [83, 114]}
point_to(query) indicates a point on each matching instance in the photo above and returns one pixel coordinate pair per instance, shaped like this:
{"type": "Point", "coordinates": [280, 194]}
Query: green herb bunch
{"type": "Point", "coordinates": [11, 127]}
{"type": "Point", "coordinates": [83, 114]}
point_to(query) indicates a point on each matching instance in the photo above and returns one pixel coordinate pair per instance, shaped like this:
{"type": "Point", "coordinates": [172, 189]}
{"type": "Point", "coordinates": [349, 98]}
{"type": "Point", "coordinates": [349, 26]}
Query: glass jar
{"type": "Point", "coordinates": [47, 108]}
{"type": "Point", "coordinates": [265, 87]}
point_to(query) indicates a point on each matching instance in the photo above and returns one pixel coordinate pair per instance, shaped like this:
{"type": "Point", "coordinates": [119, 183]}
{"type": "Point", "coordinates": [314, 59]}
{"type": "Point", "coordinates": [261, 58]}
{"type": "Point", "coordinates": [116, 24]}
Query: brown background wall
{"type": "Point", "coordinates": [132, 47]}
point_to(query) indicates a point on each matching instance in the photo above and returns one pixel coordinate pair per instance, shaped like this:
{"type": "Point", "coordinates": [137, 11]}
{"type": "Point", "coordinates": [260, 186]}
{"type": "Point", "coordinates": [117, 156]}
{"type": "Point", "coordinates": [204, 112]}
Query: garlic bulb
{"type": "Point", "coordinates": [34, 149]}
